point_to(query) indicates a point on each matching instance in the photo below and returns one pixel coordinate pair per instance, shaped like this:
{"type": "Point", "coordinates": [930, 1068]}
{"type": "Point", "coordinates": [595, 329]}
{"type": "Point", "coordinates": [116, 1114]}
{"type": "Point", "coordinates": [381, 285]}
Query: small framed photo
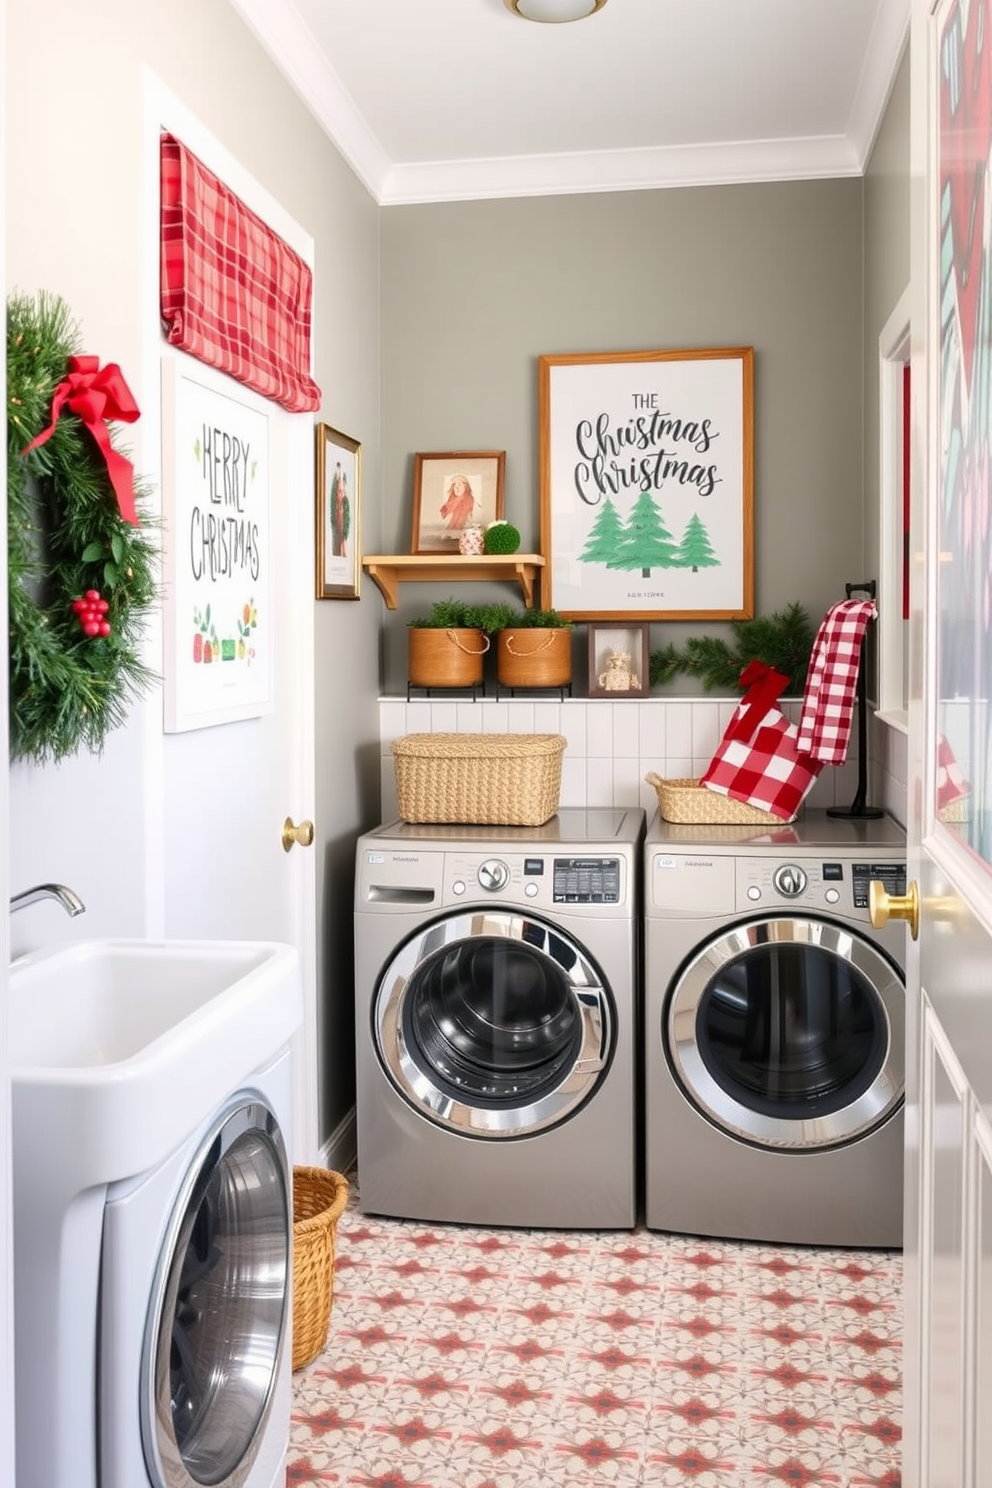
{"type": "Point", "coordinates": [619, 660]}
{"type": "Point", "coordinates": [454, 491]}
{"type": "Point", "coordinates": [339, 479]}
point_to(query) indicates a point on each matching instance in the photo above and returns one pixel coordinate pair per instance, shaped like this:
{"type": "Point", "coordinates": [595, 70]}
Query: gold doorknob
{"type": "Point", "coordinates": [883, 907]}
{"type": "Point", "coordinates": [302, 834]}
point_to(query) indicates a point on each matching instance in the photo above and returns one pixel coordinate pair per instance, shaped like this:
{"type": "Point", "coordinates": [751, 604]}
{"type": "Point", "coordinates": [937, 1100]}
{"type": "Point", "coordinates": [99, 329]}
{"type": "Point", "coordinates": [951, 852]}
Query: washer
{"type": "Point", "coordinates": [495, 1018]}
{"type": "Point", "coordinates": [774, 1032]}
{"type": "Point", "coordinates": [153, 1311]}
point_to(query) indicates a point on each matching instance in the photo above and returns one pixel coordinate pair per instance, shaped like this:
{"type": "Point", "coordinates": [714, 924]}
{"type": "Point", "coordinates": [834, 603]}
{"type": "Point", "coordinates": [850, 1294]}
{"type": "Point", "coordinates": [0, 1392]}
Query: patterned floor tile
{"type": "Point", "coordinates": [469, 1358]}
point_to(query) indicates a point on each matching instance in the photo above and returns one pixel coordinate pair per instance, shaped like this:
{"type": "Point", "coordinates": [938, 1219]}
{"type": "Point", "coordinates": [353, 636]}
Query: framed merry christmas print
{"type": "Point", "coordinates": [647, 484]}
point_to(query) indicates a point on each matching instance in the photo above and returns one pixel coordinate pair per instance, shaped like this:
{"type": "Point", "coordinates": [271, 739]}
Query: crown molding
{"type": "Point", "coordinates": [289, 42]}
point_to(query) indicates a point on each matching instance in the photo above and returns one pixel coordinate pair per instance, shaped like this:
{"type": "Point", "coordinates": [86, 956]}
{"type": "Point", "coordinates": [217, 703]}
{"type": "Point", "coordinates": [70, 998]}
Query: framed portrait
{"type": "Point", "coordinates": [339, 478]}
{"type": "Point", "coordinates": [619, 660]}
{"type": "Point", "coordinates": [217, 551]}
{"type": "Point", "coordinates": [647, 484]}
{"type": "Point", "coordinates": [454, 491]}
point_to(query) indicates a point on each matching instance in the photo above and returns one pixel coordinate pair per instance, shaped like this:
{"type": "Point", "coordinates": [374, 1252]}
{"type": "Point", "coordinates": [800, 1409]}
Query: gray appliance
{"type": "Point", "coordinates": [496, 998]}
{"type": "Point", "coordinates": [774, 1032]}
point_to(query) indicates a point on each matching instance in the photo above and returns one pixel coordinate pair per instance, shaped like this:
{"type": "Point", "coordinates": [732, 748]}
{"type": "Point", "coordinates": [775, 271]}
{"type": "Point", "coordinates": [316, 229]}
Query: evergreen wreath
{"type": "Point", "coordinates": [81, 578]}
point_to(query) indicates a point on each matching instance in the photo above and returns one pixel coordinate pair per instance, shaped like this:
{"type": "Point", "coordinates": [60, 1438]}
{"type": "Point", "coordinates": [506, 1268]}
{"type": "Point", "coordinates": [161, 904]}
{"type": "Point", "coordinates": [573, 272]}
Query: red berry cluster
{"type": "Point", "coordinates": [92, 613]}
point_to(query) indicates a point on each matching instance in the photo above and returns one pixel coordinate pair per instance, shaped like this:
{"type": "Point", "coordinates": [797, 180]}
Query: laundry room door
{"type": "Point", "coordinates": [229, 789]}
{"type": "Point", "coordinates": [948, 1240]}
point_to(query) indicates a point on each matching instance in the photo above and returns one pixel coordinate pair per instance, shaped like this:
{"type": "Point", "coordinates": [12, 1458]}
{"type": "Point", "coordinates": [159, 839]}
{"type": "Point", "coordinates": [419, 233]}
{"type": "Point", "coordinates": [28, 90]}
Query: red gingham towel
{"type": "Point", "coordinates": [757, 761]}
{"type": "Point", "coordinates": [828, 703]}
{"type": "Point", "coordinates": [233, 293]}
{"type": "Point", "coordinates": [951, 783]}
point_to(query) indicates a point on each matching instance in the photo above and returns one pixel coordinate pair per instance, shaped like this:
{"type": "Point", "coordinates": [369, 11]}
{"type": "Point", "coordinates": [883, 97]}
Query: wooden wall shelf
{"type": "Point", "coordinates": [388, 572]}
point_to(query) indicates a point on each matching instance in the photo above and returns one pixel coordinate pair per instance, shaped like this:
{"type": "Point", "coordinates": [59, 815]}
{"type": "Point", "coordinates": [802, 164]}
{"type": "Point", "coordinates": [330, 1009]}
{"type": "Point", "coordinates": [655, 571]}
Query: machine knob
{"type": "Point", "coordinates": [494, 875]}
{"type": "Point", "coordinates": [789, 880]}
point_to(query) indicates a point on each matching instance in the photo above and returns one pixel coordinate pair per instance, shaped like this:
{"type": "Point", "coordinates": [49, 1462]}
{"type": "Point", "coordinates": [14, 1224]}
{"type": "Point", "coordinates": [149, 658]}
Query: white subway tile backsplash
{"type": "Point", "coordinates": [612, 746]}
{"type": "Point", "coordinates": [599, 731]}
{"type": "Point", "coordinates": [599, 782]}
{"type": "Point", "coordinates": [547, 718]}
{"type": "Point", "coordinates": [651, 730]}
{"type": "Point", "coordinates": [678, 732]}
{"type": "Point", "coordinates": [573, 727]}
{"type": "Point", "coordinates": [626, 737]}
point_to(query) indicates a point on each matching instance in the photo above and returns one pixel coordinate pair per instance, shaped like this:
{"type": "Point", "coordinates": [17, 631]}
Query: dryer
{"type": "Point", "coordinates": [774, 1032]}
{"type": "Point", "coordinates": [496, 1000]}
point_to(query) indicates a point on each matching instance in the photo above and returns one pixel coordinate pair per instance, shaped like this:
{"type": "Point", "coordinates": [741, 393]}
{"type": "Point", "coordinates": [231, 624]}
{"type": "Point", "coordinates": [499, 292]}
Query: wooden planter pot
{"type": "Point", "coordinates": [445, 658]}
{"type": "Point", "coordinates": [534, 658]}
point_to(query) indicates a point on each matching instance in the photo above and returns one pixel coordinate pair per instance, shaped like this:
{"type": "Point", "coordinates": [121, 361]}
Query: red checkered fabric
{"type": "Point", "coordinates": [951, 783]}
{"type": "Point", "coordinates": [757, 760]}
{"type": "Point", "coordinates": [831, 682]}
{"type": "Point", "coordinates": [233, 293]}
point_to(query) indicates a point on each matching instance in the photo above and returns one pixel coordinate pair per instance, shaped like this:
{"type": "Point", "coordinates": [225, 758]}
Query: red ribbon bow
{"type": "Point", "coordinates": [95, 396]}
{"type": "Point", "coordinates": [763, 686]}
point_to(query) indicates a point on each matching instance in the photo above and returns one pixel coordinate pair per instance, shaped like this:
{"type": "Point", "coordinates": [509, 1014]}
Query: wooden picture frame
{"type": "Point", "coordinates": [619, 660]}
{"type": "Point", "coordinates": [647, 484]}
{"type": "Point", "coordinates": [338, 512]}
{"type": "Point", "coordinates": [453, 491]}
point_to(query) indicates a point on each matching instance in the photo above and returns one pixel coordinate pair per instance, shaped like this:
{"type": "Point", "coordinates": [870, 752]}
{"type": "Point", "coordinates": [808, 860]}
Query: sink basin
{"type": "Point", "coordinates": [119, 1049]}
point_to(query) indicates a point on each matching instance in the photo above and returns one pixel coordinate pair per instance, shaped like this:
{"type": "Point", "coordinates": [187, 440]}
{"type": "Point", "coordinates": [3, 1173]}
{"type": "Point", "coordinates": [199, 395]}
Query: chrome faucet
{"type": "Point", "coordinates": [70, 902]}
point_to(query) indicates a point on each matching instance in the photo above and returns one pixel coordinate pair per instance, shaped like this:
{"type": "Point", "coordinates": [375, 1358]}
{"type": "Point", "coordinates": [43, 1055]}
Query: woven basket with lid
{"type": "Point", "coordinates": [488, 779]}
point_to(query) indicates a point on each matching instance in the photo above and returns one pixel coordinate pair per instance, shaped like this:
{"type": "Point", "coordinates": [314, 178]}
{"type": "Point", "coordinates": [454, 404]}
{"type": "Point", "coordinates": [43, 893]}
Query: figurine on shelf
{"type": "Point", "coordinates": [618, 676]}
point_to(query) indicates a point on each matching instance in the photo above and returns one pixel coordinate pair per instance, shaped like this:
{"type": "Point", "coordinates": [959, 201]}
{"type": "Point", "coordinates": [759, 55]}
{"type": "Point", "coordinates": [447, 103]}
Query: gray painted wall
{"type": "Point", "coordinates": [473, 293]}
{"type": "Point", "coordinates": [73, 226]}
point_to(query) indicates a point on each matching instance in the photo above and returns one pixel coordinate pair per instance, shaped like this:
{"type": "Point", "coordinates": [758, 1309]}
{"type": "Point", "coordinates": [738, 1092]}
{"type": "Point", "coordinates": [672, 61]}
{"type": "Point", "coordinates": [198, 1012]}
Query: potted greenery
{"type": "Point", "coordinates": [446, 648]}
{"type": "Point", "coordinates": [534, 649]}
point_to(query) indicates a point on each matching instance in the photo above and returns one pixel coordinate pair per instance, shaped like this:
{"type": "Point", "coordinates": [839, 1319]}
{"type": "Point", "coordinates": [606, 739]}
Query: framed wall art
{"type": "Point", "coordinates": [619, 660]}
{"type": "Point", "coordinates": [452, 492]}
{"type": "Point", "coordinates": [338, 509]}
{"type": "Point", "coordinates": [217, 550]}
{"type": "Point", "coordinates": [647, 484]}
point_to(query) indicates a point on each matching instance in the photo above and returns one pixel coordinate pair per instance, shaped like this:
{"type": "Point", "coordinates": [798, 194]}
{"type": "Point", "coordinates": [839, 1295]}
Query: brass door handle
{"type": "Point", "coordinates": [883, 907]}
{"type": "Point", "coordinates": [292, 834]}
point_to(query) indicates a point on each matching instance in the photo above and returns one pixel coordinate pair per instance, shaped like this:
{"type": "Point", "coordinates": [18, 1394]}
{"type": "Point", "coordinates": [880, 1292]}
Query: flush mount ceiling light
{"type": "Point", "coordinates": [554, 10]}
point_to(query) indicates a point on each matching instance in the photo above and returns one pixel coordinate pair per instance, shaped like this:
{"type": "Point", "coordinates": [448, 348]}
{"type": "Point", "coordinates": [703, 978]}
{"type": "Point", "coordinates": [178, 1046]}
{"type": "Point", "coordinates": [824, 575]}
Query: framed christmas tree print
{"type": "Point", "coordinates": [647, 484]}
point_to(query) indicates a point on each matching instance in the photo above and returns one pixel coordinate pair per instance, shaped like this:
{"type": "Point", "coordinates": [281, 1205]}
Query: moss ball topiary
{"type": "Point", "coordinates": [501, 537]}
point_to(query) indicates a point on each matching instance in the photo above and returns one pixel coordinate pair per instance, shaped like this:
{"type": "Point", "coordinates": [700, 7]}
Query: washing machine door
{"type": "Point", "coordinates": [493, 1023]}
{"type": "Point", "coordinates": [217, 1322]}
{"type": "Point", "coordinates": [788, 1033]}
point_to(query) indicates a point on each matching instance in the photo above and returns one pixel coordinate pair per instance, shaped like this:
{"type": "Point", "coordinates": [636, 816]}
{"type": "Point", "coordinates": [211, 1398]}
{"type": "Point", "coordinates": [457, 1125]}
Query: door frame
{"type": "Point", "coordinates": [163, 109]}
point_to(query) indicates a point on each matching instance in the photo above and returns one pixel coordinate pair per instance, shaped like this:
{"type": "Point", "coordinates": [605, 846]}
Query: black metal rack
{"type": "Point", "coordinates": [858, 807]}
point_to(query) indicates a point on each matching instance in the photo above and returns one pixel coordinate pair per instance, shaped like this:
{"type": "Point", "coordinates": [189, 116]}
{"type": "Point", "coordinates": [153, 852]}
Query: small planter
{"type": "Point", "coordinates": [531, 657]}
{"type": "Point", "coordinates": [446, 658]}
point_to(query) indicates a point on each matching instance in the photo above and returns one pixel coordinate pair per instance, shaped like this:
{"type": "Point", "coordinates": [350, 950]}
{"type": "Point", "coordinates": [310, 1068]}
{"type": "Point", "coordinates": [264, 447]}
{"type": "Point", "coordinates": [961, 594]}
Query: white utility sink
{"type": "Point", "coordinates": [120, 1048]}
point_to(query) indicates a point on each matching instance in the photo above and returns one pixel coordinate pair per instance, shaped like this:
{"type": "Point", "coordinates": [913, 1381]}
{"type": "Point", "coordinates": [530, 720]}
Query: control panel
{"type": "Point", "coordinates": [815, 884]}
{"type": "Point", "coordinates": [538, 880]}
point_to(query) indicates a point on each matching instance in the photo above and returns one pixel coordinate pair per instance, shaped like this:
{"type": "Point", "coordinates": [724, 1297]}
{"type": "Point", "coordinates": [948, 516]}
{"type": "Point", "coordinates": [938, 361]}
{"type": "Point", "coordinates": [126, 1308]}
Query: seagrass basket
{"type": "Point", "coordinates": [688, 802]}
{"type": "Point", "coordinates": [487, 779]}
{"type": "Point", "coordinates": [319, 1199]}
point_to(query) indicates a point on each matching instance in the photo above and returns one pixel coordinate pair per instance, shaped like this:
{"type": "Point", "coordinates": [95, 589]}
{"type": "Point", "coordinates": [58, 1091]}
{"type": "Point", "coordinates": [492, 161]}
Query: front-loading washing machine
{"type": "Point", "coordinates": [153, 1254]}
{"type": "Point", "coordinates": [774, 1032]}
{"type": "Point", "coordinates": [496, 998]}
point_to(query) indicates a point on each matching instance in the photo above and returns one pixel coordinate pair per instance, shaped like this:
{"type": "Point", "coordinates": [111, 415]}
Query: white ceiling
{"type": "Point", "coordinates": [440, 100]}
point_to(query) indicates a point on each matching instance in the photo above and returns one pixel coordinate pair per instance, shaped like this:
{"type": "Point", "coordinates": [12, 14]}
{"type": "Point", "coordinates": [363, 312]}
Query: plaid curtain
{"type": "Point", "coordinates": [233, 293]}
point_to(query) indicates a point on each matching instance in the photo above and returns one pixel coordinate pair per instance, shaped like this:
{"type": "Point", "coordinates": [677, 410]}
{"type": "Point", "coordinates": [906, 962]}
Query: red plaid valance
{"type": "Point", "coordinates": [233, 293]}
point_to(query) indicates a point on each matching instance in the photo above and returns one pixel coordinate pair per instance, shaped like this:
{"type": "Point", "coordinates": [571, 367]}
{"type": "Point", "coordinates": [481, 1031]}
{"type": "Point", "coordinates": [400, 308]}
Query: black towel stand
{"type": "Point", "coordinates": [858, 808]}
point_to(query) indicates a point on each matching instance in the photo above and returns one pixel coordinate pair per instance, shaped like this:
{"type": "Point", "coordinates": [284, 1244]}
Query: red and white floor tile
{"type": "Point", "coordinates": [468, 1358]}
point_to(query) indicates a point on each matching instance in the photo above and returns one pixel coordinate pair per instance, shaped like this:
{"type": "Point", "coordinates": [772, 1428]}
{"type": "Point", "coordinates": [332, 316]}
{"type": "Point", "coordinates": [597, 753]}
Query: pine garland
{"type": "Point", "coordinates": [783, 640]}
{"type": "Point", "coordinates": [66, 536]}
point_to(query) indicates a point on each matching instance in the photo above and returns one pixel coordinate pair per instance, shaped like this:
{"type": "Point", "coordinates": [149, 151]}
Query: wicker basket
{"type": "Point", "coordinates": [688, 802]}
{"type": "Point", "coordinates": [509, 780]}
{"type": "Point", "coordinates": [319, 1199]}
